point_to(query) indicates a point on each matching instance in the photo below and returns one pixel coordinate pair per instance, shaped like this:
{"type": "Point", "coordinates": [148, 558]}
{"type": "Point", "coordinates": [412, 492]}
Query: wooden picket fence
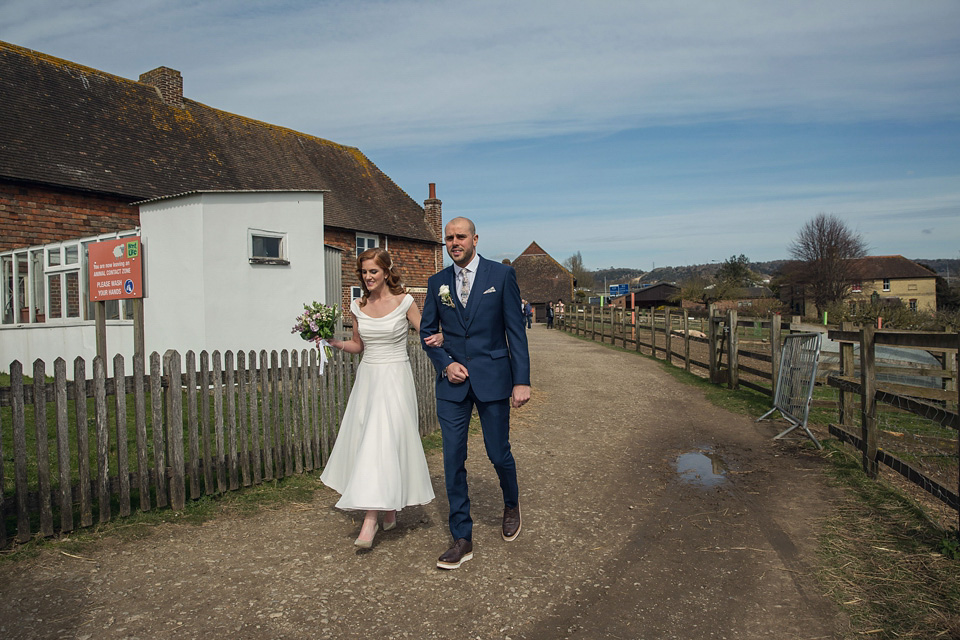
{"type": "Point", "coordinates": [206, 426]}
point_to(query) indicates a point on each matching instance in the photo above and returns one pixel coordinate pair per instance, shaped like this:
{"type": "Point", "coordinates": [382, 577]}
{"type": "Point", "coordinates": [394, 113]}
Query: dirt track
{"type": "Point", "coordinates": [615, 543]}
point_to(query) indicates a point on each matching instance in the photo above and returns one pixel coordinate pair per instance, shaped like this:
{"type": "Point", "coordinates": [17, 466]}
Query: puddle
{"type": "Point", "coordinates": [701, 468]}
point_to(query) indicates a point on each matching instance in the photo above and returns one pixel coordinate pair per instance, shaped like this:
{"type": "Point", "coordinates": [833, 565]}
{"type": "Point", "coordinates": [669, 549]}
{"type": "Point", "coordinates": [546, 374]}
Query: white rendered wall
{"type": "Point", "coordinates": [201, 290]}
{"type": "Point", "coordinates": [29, 342]}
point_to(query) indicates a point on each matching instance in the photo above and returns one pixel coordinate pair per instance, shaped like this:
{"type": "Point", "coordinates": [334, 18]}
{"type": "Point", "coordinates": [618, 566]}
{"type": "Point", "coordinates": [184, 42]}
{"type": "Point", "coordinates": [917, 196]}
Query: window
{"type": "Point", "coordinates": [886, 284]}
{"type": "Point", "coordinates": [52, 283]}
{"type": "Point", "coordinates": [365, 242]}
{"type": "Point", "coordinates": [267, 247]}
{"type": "Point", "coordinates": [356, 292]}
{"type": "Point", "coordinates": [856, 287]}
{"type": "Point", "coordinates": [913, 304]}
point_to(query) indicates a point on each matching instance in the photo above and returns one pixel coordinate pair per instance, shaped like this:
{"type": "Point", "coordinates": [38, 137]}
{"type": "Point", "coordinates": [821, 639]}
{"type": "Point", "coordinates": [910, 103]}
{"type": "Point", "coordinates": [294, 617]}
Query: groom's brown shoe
{"type": "Point", "coordinates": [511, 523]}
{"type": "Point", "coordinates": [460, 552]}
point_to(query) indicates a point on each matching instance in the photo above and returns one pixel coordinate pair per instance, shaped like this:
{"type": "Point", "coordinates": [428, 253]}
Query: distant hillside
{"type": "Point", "coordinates": [615, 275]}
{"type": "Point", "coordinates": [945, 267]}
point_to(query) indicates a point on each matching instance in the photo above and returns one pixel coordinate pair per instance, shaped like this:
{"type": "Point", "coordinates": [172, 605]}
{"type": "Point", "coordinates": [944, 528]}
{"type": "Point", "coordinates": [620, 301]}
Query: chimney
{"type": "Point", "coordinates": [168, 83]}
{"type": "Point", "coordinates": [434, 217]}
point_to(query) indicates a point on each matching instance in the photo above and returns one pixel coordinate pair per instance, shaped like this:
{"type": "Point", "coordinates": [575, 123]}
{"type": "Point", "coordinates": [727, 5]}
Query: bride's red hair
{"type": "Point", "coordinates": [391, 275]}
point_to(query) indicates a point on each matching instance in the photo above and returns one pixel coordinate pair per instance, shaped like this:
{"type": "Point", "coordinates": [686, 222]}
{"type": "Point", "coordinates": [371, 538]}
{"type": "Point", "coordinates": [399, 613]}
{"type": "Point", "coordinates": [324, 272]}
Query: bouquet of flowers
{"type": "Point", "coordinates": [316, 325]}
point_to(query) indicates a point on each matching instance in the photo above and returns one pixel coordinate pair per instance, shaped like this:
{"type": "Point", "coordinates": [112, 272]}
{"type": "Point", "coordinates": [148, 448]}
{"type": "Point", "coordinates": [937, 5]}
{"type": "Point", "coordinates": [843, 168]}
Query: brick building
{"type": "Point", "coordinates": [79, 146]}
{"type": "Point", "coordinates": [542, 280]}
{"type": "Point", "coordinates": [873, 280]}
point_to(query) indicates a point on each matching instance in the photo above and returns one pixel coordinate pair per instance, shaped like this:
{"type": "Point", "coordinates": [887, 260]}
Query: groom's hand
{"type": "Point", "coordinates": [521, 394]}
{"type": "Point", "coordinates": [457, 373]}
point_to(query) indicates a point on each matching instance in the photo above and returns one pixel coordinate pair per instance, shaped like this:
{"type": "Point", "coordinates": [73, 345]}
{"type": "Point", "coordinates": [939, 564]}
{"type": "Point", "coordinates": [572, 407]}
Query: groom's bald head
{"type": "Point", "coordinates": [467, 221]}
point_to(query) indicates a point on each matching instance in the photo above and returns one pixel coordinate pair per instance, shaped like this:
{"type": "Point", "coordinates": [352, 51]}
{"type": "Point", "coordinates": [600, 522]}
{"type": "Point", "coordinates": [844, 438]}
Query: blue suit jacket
{"type": "Point", "coordinates": [489, 337]}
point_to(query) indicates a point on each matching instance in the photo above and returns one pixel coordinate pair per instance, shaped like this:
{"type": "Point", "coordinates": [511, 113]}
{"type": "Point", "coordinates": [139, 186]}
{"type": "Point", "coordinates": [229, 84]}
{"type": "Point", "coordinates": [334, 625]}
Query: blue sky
{"type": "Point", "coordinates": [639, 133]}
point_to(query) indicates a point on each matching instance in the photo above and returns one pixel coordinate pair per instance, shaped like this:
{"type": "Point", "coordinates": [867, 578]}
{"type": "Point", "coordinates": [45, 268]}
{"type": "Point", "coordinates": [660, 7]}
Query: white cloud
{"type": "Point", "coordinates": [381, 74]}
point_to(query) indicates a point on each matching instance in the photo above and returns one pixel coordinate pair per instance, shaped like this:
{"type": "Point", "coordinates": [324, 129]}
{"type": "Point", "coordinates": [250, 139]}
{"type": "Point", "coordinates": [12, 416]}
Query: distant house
{"type": "Point", "coordinates": [542, 280]}
{"type": "Point", "coordinates": [874, 280]}
{"type": "Point", "coordinates": [79, 146]}
{"type": "Point", "coordinates": [656, 295]}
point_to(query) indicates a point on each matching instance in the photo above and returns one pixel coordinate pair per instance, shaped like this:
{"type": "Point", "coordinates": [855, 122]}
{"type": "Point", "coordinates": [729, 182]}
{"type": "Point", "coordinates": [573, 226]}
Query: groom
{"type": "Point", "coordinates": [484, 364]}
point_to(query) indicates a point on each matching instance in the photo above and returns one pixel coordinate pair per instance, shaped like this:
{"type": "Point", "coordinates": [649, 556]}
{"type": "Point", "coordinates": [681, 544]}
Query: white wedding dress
{"type": "Point", "coordinates": [377, 461]}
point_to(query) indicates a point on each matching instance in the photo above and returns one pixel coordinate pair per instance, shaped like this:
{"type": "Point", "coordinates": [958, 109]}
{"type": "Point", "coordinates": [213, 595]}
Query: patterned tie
{"type": "Point", "coordinates": [464, 286]}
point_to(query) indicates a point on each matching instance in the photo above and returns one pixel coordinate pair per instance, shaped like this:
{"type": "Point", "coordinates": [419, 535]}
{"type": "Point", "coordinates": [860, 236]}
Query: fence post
{"type": "Point", "coordinates": [18, 413]}
{"type": "Point", "coordinates": [712, 350]}
{"type": "Point", "coordinates": [668, 330]}
{"type": "Point", "coordinates": [868, 403]}
{"type": "Point", "coordinates": [686, 341]}
{"type": "Point", "coordinates": [43, 450]}
{"type": "Point", "coordinates": [653, 332]}
{"type": "Point", "coordinates": [103, 444]}
{"type": "Point", "coordinates": [776, 323]}
{"type": "Point", "coordinates": [172, 371]}
{"type": "Point", "coordinates": [83, 438]}
{"type": "Point", "coordinates": [593, 323]}
{"type": "Point", "coordinates": [623, 325]}
{"type": "Point", "coordinates": [733, 356]}
{"type": "Point", "coordinates": [846, 370]}
{"type": "Point", "coordinates": [120, 418]}
{"type": "Point", "coordinates": [636, 329]}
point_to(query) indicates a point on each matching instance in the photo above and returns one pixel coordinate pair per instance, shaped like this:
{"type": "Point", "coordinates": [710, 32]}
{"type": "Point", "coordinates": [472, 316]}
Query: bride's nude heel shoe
{"type": "Point", "coordinates": [387, 526]}
{"type": "Point", "coordinates": [367, 544]}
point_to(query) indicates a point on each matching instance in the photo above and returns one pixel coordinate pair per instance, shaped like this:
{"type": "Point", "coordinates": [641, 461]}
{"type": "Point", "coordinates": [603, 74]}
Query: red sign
{"type": "Point", "coordinates": [116, 269]}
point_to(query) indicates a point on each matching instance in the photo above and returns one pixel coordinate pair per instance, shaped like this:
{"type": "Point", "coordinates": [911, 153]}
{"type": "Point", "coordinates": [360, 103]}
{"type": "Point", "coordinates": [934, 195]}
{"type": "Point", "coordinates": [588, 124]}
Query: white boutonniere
{"type": "Point", "coordinates": [445, 295]}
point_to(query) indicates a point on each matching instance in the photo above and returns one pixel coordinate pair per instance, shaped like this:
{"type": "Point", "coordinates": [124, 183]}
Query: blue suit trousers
{"type": "Point", "coordinates": [454, 425]}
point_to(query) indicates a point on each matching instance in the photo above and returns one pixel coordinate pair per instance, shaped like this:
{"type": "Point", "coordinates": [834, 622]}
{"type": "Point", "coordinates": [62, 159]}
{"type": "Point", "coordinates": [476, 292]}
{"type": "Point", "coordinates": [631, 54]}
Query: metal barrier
{"type": "Point", "coordinates": [794, 391]}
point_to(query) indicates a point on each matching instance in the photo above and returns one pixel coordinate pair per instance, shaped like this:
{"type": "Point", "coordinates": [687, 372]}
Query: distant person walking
{"type": "Point", "coordinates": [549, 315]}
{"type": "Point", "coordinates": [528, 313]}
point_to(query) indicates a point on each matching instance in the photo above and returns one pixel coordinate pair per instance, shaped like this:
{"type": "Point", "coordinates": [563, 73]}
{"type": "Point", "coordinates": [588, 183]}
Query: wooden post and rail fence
{"type": "Point", "coordinates": [207, 425]}
{"type": "Point", "coordinates": [721, 337]}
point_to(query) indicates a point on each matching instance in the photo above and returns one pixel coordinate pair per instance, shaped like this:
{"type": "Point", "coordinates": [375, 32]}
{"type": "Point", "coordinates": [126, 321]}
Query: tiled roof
{"type": "Point", "coordinates": [879, 267]}
{"type": "Point", "coordinates": [66, 125]}
{"type": "Point", "coordinates": [869, 268]}
{"type": "Point", "coordinates": [541, 278]}
{"type": "Point", "coordinates": [533, 250]}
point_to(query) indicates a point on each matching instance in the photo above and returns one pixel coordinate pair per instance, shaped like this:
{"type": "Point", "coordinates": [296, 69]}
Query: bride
{"type": "Point", "coordinates": [377, 463]}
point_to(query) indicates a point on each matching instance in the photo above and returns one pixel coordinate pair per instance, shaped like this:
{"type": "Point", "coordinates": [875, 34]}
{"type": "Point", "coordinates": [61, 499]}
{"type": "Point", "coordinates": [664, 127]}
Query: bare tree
{"type": "Point", "coordinates": [581, 274]}
{"type": "Point", "coordinates": [825, 249]}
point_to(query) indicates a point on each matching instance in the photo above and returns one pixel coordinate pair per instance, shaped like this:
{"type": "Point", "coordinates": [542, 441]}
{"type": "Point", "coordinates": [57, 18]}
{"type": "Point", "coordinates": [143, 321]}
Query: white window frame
{"type": "Point", "coordinates": [886, 284]}
{"type": "Point", "coordinates": [283, 259]}
{"type": "Point", "coordinates": [356, 292]}
{"type": "Point", "coordinates": [38, 277]}
{"type": "Point", "coordinates": [62, 270]}
{"type": "Point", "coordinates": [857, 287]}
{"type": "Point", "coordinates": [367, 238]}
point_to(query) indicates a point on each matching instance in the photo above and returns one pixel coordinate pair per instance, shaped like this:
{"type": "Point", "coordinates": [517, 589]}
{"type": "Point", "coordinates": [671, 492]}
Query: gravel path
{"type": "Point", "coordinates": [615, 543]}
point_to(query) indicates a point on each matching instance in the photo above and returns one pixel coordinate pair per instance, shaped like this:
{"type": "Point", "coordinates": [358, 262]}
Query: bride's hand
{"type": "Point", "coordinates": [333, 342]}
{"type": "Point", "coordinates": [436, 340]}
